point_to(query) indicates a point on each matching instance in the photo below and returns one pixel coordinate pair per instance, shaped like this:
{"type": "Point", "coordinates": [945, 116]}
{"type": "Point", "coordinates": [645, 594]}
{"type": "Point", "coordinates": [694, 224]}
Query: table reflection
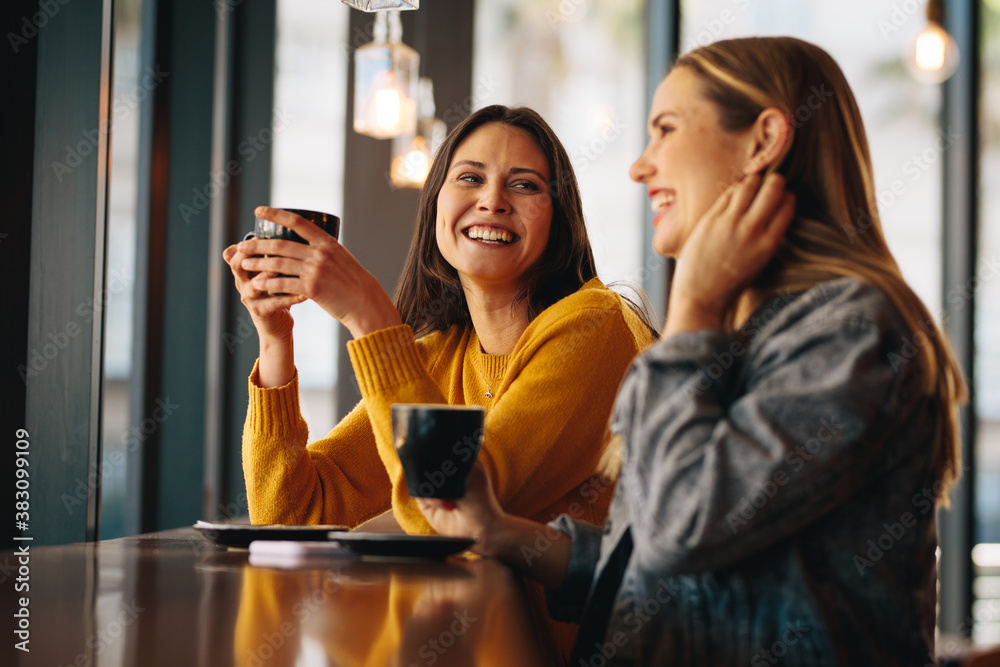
{"type": "Point", "coordinates": [364, 613]}
{"type": "Point", "coordinates": [173, 598]}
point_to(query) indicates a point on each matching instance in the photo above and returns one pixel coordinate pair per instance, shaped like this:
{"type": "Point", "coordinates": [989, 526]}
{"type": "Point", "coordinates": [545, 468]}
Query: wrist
{"type": "Point", "coordinates": [276, 365]}
{"type": "Point", "coordinates": [372, 322]}
{"type": "Point", "coordinates": [685, 314]}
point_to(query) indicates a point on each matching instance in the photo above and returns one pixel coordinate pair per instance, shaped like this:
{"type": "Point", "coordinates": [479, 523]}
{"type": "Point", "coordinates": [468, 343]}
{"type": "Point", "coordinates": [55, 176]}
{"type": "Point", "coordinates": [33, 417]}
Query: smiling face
{"type": "Point", "coordinates": [494, 210]}
{"type": "Point", "coordinates": [689, 160]}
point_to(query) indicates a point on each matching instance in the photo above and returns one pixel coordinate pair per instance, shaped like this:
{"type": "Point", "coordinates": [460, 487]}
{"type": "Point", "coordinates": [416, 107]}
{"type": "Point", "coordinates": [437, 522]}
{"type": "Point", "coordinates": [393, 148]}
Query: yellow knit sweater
{"type": "Point", "coordinates": [545, 430]}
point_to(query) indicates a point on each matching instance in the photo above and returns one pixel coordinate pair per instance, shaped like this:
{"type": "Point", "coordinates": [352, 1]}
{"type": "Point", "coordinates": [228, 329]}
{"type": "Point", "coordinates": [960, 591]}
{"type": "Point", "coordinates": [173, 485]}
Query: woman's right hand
{"type": "Point", "coordinates": [270, 314]}
{"type": "Point", "coordinates": [504, 536]}
{"type": "Point", "coordinates": [477, 514]}
{"type": "Point", "coordinates": [271, 317]}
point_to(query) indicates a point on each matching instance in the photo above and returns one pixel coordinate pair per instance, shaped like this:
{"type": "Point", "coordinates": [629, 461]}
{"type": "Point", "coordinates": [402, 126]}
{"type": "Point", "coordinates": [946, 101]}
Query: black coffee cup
{"type": "Point", "coordinates": [437, 445]}
{"type": "Point", "coordinates": [329, 223]}
{"type": "Point", "coordinates": [265, 229]}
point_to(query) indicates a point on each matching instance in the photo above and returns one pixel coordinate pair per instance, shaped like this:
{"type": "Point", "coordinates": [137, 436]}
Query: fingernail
{"type": "Point", "coordinates": [448, 505]}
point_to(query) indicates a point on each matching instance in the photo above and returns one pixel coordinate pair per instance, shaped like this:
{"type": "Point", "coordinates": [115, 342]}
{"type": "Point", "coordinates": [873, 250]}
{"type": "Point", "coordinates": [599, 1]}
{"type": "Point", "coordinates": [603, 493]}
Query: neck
{"type": "Point", "coordinates": [746, 304]}
{"type": "Point", "coordinates": [498, 326]}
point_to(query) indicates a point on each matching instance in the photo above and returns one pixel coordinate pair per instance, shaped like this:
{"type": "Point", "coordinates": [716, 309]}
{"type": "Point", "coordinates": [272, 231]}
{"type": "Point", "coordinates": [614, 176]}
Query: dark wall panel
{"type": "Point", "coordinates": [67, 266]}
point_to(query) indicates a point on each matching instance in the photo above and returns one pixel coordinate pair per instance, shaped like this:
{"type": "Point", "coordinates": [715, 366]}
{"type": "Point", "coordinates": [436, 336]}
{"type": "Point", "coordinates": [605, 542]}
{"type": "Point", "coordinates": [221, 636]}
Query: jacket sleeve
{"type": "Point", "coordinates": [567, 603]}
{"type": "Point", "coordinates": [337, 480]}
{"type": "Point", "coordinates": [546, 427]}
{"type": "Point", "coordinates": [726, 455]}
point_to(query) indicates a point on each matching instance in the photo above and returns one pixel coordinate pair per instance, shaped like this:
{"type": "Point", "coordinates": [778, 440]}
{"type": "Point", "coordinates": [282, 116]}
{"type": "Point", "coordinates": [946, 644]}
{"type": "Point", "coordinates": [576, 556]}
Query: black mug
{"type": "Point", "coordinates": [437, 445]}
{"type": "Point", "coordinates": [265, 229]}
{"type": "Point", "coordinates": [329, 223]}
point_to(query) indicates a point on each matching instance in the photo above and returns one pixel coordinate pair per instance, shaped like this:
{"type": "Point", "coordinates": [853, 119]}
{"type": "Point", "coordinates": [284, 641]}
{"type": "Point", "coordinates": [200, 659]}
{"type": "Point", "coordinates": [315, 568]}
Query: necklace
{"type": "Point", "coordinates": [489, 382]}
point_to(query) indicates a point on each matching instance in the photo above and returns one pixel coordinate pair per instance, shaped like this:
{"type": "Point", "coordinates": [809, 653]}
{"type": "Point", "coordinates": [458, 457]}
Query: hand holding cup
{"type": "Point", "coordinates": [320, 269]}
{"type": "Point", "coordinates": [269, 230]}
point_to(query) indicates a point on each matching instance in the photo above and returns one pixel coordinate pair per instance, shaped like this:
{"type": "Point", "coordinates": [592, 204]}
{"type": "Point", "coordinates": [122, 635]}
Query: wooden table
{"type": "Point", "coordinates": [173, 598]}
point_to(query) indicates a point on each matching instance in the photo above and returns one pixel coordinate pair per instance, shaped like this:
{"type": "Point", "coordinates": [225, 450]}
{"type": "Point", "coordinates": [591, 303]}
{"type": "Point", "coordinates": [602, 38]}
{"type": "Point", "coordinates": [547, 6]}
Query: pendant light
{"type": "Point", "coordinates": [933, 55]}
{"type": "Point", "coordinates": [386, 81]}
{"type": "Point", "coordinates": [382, 5]}
{"type": "Point", "coordinates": [412, 154]}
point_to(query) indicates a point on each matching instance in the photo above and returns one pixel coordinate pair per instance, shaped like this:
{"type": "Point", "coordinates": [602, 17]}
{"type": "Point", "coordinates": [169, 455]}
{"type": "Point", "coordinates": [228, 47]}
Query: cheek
{"type": "Point", "coordinates": [440, 231]}
{"type": "Point", "coordinates": [543, 232]}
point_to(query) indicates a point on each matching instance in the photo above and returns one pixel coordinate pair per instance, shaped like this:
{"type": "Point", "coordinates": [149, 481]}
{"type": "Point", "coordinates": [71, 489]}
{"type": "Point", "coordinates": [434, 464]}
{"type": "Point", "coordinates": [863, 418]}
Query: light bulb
{"type": "Point", "coordinates": [933, 55]}
{"type": "Point", "coordinates": [413, 154]}
{"type": "Point", "coordinates": [387, 109]}
{"type": "Point", "coordinates": [411, 162]}
{"type": "Point", "coordinates": [416, 164]}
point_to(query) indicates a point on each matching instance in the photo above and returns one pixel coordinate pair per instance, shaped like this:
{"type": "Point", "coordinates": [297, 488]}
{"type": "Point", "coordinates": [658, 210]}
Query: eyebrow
{"type": "Point", "coordinates": [660, 117]}
{"type": "Point", "coordinates": [480, 165]}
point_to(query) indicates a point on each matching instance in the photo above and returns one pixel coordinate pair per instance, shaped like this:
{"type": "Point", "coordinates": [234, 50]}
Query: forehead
{"type": "Point", "coordinates": [681, 93]}
{"type": "Point", "coordinates": [502, 146]}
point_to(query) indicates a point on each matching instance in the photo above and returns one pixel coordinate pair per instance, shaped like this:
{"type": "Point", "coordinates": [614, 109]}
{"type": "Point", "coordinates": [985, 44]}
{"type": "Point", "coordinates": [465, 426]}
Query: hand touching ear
{"type": "Point", "coordinates": [729, 247]}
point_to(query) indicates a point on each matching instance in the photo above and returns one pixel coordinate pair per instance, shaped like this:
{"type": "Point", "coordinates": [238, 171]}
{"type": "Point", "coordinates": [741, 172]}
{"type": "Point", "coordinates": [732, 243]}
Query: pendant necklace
{"type": "Point", "coordinates": [488, 382]}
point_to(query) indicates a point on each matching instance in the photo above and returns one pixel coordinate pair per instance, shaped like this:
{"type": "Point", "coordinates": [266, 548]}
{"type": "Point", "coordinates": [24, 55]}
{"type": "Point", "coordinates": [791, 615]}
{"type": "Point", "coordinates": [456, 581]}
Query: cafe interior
{"type": "Point", "coordinates": [146, 131]}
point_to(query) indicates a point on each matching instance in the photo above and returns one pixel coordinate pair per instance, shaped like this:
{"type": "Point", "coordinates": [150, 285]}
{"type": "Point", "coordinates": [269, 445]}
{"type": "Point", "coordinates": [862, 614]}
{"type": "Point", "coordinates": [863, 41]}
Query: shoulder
{"type": "Point", "coordinates": [442, 344]}
{"type": "Point", "coordinates": [847, 305]}
{"type": "Point", "coordinates": [592, 309]}
{"type": "Point", "coordinates": [846, 322]}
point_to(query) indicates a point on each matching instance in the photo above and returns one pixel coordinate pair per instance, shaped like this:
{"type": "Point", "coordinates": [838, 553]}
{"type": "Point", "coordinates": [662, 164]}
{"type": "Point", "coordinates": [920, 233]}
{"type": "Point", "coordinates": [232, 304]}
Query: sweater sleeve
{"type": "Point", "coordinates": [547, 425]}
{"type": "Point", "coordinates": [337, 480]}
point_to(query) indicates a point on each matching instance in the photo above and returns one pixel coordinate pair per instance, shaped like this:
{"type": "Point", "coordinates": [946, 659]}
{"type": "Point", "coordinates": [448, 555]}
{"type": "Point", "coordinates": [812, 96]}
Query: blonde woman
{"type": "Point", "coordinates": [799, 408]}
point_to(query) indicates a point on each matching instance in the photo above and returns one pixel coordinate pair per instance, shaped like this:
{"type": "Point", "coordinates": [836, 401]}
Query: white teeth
{"type": "Point", "coordinates": [488, 234]}
{"type": "Point", "coordinates": [661, 200]}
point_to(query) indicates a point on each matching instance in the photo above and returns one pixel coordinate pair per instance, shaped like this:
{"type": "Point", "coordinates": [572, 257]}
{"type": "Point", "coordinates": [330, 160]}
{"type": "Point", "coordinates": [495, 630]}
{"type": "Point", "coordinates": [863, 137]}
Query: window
{"type": "Point", "coordinates": [307, 169]}
{"type": "Point", "coordinates": [868, 41]}
{"type": "Point", "coordinates": [581, 66]}
{"type": "Point", "coordinates": [122, 210]}
{"type": "Point", "coordinates": [986, 610]}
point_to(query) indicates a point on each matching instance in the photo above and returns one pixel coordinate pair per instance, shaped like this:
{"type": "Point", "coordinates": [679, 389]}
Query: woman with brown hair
{"type": "Point", "coordinates": [499, 305]}
{"type": "Point", "coordinates": [784, 444]}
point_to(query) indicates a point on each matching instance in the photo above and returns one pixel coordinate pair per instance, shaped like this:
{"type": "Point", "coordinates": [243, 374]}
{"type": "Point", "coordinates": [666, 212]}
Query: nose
{"type": "Point", "coordinates": [642, 168]}
{"type": "Point", "coordinates": [493, 199]}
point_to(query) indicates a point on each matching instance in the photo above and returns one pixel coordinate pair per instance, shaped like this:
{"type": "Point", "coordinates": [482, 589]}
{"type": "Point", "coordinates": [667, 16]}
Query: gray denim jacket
{"type": "Point", "coordinates": [777, 487]}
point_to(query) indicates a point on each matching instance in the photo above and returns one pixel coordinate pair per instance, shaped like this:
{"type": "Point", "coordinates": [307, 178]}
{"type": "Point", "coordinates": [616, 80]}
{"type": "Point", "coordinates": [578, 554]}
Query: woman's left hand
{"type": "Point", "coordinates": [729, 247]}
{"type": "Point", "coordinates": [322, 270]}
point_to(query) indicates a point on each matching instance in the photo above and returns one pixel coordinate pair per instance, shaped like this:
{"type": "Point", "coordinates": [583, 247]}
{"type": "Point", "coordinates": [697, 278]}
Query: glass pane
{"type": "Point", "coordinates": [986, 629]}
{"type": "Point", "coordinates": [581, 66]}
{"type": "Point", "coordinates": [128, 90]}
{"type": "Point", "coordinates": [307, 171]}
{"type": "Point", "coordinates": [868, 42]}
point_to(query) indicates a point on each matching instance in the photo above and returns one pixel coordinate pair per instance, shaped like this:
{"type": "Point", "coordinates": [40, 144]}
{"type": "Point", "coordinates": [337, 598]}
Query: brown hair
{"type": "Point", "coordinates": [430, 297]}
{"type": "Point", "coordinates": [828, 167]}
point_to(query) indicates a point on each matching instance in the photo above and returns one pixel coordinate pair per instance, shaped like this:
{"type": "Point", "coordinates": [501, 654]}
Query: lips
{"type": "Point", "coordinates": [661, 199]}
{"type": "Point", "coordinates": [490, 235]}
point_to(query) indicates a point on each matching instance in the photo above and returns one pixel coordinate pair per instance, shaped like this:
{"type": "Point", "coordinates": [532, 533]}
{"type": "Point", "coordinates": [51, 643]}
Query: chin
{"type": "Point", "coordinates": [665, 246]}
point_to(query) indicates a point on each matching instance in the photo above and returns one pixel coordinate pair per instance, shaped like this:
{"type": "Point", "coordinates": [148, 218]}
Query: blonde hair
{"type": "Point", "coordinates": [836, 232]}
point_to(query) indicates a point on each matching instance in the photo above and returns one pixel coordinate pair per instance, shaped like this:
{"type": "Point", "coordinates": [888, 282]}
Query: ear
{"type": "Point", "coordinates": [772, 135]}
